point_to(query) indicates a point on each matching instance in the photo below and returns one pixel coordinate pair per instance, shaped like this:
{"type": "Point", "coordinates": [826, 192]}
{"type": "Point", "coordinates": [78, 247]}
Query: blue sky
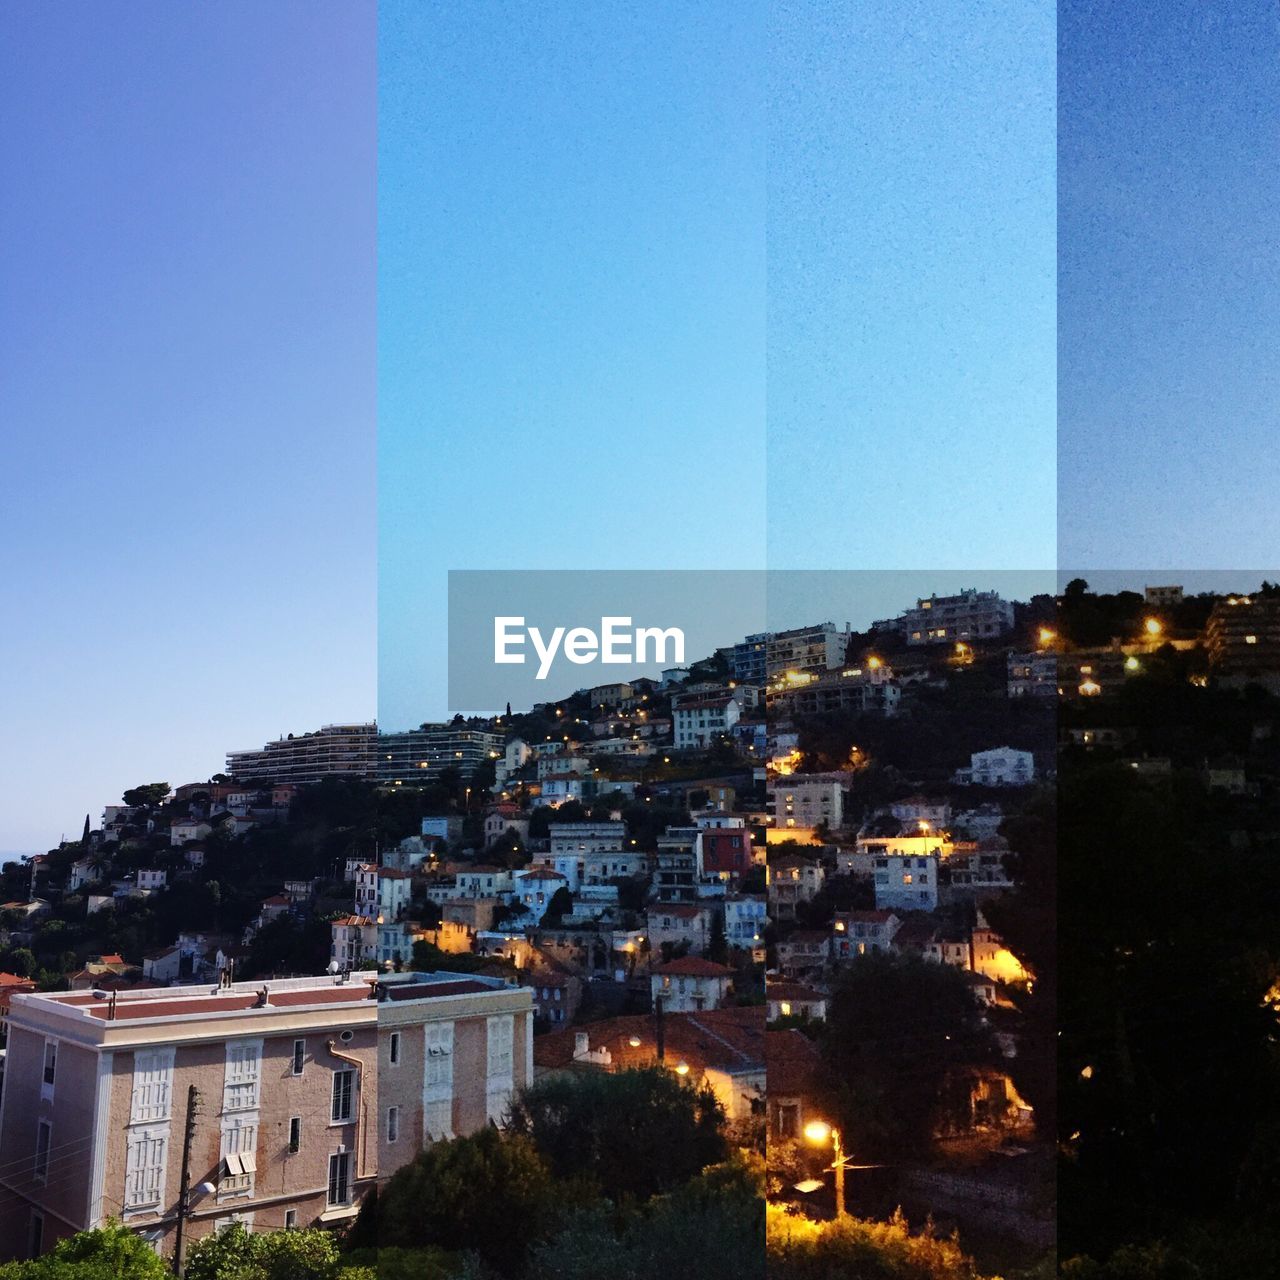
{"type": "Point", "coordinates": [1169, 204]}
{"type": "Point", "coordinates": [571, 301]}
{"type": "Point", "coordinates": [187, 244]}
{"type": "Point", "coordinates": [911, 336]}
{"type": "Point", "coordinates": [717, 285]}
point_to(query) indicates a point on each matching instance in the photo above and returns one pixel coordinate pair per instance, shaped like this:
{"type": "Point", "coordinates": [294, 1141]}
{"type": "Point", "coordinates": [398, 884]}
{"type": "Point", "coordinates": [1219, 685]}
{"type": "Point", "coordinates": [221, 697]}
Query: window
{"type": "Point", "coordinates": [145, 1166]}
{"type": "Point", "coordinates": [239, 1145]}
{"type": "Point", "coordinates": [437, 1094]}
{"type": "Point", "coordinates": [299, 1056]}
{"type": "Point", "coordinates": [291, 1219]}
{"type": "Point", "coordinates": [295, 1135]}
{"type": "Point", "coordinates": [340, 1178]}
{"type": "Point", "coordinates": [395, 1049]}
{"type": "Point", "coordinates": [341, 1109]}
{"type": "Point", "coordinates": [44, 1132]}
{"type": "Point", "coordinates": [50, 1064]}
{"type": "Point", "coordinates": [393, 1123]}
{"type": "Point", "coordinates": [35, 1234]}
{"type": "Point", "coordinates": [240, 1085]}
{"type": "Point", "coordinates": [152, 1085]}
{"type": "Point", "coordinates": [500, 1065]}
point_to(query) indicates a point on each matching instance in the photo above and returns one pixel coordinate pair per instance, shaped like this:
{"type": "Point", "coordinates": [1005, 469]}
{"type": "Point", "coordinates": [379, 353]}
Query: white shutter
{"type": "Point", "coordinates": [437, 1076]}
{"type": "Point", "coordinates": [152, 1085]}
{"type": "Point", "coordinates": [499, 1082]}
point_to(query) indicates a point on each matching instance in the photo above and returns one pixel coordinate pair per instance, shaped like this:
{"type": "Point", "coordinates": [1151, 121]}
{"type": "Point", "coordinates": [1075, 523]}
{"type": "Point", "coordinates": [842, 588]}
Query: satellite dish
{"type": "Point", "coordinates": [333, 966]}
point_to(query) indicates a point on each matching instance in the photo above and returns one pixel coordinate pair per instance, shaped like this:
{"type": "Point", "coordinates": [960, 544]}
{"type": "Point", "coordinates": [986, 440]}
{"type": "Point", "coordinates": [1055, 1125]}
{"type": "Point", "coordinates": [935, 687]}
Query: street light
{"type": "Point", "coordinates": [1153, 626]}
{"type": "Point", "coordinates": [819, 1133]}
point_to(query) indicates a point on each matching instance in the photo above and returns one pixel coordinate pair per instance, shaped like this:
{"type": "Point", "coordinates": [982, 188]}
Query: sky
{"type": "Point", "coordinates": [723, 285]}
{"type": "Point", "coordinates": [1169, 285]}
{"type": "Point", "coordinates": [911, 262]}
{"type": "Point", "coordinates": [571, 309]}
{"type": "Point", "coordinates": [187, 534]}
{"type": "Point", "coordinates": [727, 285]}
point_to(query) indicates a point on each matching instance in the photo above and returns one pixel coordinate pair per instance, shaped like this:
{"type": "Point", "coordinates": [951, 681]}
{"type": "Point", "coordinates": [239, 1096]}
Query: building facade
{"type": "Point", "coordinates": [306, 1091]}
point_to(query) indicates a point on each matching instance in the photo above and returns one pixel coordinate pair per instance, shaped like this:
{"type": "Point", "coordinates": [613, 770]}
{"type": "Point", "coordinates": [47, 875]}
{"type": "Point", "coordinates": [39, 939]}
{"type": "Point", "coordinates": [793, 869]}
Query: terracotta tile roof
{"type": "Point", "coordinates": [693, 967]}
{"type": "Point", "coordinates": [730, 1040]}
{"type": "Point", "coordinates": [793, 1061]}
{"type": "Point", "coordinates": [796, 991]}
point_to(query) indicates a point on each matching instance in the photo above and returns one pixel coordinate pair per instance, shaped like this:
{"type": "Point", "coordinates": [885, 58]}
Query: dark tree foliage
{"type": "Point", "coordinates": [633, 1134]}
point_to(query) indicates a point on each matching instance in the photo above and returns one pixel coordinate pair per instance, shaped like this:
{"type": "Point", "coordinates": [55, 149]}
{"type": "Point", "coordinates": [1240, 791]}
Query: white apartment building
{"type": "Point", "coordinates": [702, 719]}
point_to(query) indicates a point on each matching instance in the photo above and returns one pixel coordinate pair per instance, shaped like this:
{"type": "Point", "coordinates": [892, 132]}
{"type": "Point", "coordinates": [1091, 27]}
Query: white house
{"type": "Point", "coordinates": [794, 1000]}
{"type": "Point", "coordinates": [535, 889]}
{"type": "Point", "coordinates": [703, 719]}
{"type": "Point", "coordinates": [353, 940]}
{"type": "Point", "coordinates": [906, 882]}
{"type": "Point", "coordinates": [185, 829]}
{"type": "Point", "coordinates": [150, 879]}
{"type": "Point", "coordinates": [745, 917]}
{"type": "Point", "coordinates": [690, 984]}
{"type": "Point", "coordinates": [999, 767]}
{"type": "Point", "coordinates": [856, 933]}
{"type": "Point", "coordinates": [483, 882]}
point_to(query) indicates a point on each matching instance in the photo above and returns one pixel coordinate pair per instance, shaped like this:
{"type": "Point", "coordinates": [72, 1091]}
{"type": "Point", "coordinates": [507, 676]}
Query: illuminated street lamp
{"type": "Point", "coordinates": [819, 1133]}
{"type": "Point", "coordinates": [1153, 627]}
{"type": "Point", "coordinates": [1047, 636]}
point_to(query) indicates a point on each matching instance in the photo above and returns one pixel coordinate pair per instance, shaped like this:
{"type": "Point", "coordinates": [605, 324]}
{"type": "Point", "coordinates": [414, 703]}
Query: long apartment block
{"type": "Point", "coordinates": [307, 1091]}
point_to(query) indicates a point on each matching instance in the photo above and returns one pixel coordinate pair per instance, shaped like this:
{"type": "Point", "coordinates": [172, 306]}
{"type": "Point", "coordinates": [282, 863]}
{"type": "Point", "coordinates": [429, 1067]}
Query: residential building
{"type": "Point", "coordinates": [700, 720]}
{"type": "Point", "coordinates": [453, 1051]}
{"type": "Point", "coordinates": [336, 750]}
{"type": "Point", "coordinates": [859, 933]}
{"type": "Point", "coordinates": [792, 879]}
{"type": "Point", "coordinates": [803, 950]}
{"type": "Point", "coordinates": [690, 984]}
{"type": "Point", "coordinates": [820, 647]}
{"type": "Point", "coordinates": [418, 756]}
{"type": "Point", "coordinates": [117, 1072]}
{"type": "Point", "coordinates": [677, 924]}
{"type": "Point", "coordinates": [1032, 675]}
{"type": "Point", "coordinates": [722, 1049]}
{"type": "Point", "coordinates": [1242, 638]}
{"type": "Point", "coordinates": [745, 918]}
{"type": "Point", "coordinates": [794, 1000]}
{"type": "Point", "coordinates": [353, 941]}
{"type": "Point", "coordinates": [801, 802]}
{"type": "Point", "coordinates": [999, 767]}
{"type": "Point", "coordinates": [1162, 597]}
{"type": "Point", "coordinates": [970, 616]}
{"type": "Point", "coordinates": [726, 851]}
{"type": "Point", "coordinates": [906, 882]}
{"type": "Point", "coordinates": [535, 888]}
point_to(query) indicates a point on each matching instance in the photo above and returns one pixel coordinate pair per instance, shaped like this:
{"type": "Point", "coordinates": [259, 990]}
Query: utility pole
{"type": "Point", "coordinates": [839, 1163]}
{"type": "Point", "coordinates": [184, 1184]}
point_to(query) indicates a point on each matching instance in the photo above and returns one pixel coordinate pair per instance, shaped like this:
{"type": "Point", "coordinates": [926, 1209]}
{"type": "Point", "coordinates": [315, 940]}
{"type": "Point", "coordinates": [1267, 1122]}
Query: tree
{"type": "Point", "coordinates": [898, 1031]}
{"type": "Point", "coordinates": [629, 1134]}
{"type": "Point", "coordinates": [490, 1192]}
{"type": "Point", "coordinates": [236, 1254]}
{"type": "Point", "coordinates": [150, 793]}
{"type": "Point", "coordinates": [112, 1252]}
{"type": "Point", "coordinates": [712, 1228]}
{"type": "Point", "coordinates": [718, 944]}
{"type": "Point", "coordinates": [561, 901]}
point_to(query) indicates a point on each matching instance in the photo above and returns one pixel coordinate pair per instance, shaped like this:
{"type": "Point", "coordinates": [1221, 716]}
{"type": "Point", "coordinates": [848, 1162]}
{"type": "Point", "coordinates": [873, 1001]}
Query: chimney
{"type": "Point", "coordinates": [581, 1045]}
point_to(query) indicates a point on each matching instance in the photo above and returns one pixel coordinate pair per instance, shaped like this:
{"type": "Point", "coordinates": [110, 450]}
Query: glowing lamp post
{"type": "Point", "coordinates": [820, 1133]}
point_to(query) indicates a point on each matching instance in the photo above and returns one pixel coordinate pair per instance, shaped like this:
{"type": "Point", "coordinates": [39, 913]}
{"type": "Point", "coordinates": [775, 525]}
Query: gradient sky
{"type": "Point", "coordinates": [187, 245]}
{"type": "Point", "coordinates": [1169, 302]}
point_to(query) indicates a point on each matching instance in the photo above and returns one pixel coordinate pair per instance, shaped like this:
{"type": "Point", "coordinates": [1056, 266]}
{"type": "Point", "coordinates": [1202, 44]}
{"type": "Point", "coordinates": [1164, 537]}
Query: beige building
{"type": "Point", "coordinates": [307, 1091]}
